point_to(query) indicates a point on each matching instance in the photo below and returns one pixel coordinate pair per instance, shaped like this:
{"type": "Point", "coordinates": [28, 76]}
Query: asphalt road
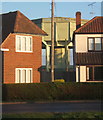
{"type": "Point", "coordinates": [51, 107]}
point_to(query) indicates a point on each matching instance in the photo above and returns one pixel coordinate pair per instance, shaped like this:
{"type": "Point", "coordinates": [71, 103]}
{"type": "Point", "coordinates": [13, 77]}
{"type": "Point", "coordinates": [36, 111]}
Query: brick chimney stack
{"type": "Point", "coordinates": [78, 20]}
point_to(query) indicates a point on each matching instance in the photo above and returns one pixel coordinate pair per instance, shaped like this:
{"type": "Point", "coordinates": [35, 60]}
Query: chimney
{"type": "Point", "coordinates": [78, 20]}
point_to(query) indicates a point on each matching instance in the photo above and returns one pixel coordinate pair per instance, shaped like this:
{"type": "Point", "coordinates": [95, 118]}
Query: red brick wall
{"type": "Point", "coordinates": [13, 59]}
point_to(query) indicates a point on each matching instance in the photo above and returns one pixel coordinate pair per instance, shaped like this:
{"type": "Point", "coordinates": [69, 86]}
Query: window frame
{"type": "Point", "coordinates": [21, 75]}
{"type": "Point", "coordinates": [94, 44]}
{"type": "Point", "coordinates": [21, 45]}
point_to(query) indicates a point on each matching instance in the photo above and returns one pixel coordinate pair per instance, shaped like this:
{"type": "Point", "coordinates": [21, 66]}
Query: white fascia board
{"type": "Point", "coordinates": [3, 49]}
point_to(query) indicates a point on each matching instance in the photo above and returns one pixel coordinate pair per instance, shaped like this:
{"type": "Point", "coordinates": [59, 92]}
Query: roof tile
{"type": "Point", "coordinates": [91, 58]}
{"type": "Point", "coordinates": [16, 22]}
{"type": "Point", "coordinates": [95, 25]}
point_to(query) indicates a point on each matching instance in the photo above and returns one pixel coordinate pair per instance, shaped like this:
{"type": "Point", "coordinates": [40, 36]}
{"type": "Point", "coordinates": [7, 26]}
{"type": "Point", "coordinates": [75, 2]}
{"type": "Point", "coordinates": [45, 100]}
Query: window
{"type": "Point", "coordinates": [23, 43]}
{"type": "Point", "coordinates": [91, 44]}
{"type": "Point", "coordinates": [95, 44]}
{"type": "Point", "coordinates": [98, 43]}
{"type": "Point", "coordinates": [95, 73]}
{"type": "Point", "coordinates": [44, 57]}
{"type": "Point", "coordinates": [23, 75]}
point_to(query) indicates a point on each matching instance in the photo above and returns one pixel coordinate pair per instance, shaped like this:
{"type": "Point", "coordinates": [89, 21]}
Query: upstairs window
{"type": "Point", "coordinates": [95, 44]}
{"type": "Point", "coordinates": [91, 44]}
{"type": "Point", "coordinates": [23, 43]}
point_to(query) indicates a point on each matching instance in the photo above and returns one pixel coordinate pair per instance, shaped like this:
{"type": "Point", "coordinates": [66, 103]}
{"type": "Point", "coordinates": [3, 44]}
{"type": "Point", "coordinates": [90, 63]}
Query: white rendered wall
{"type": "Point", "coordinates": [81, 77]}
{"type": "Point", "coordinates": [82, 73]}
{"type": "Point", "coordinates": [81, 42]}
{"type": "Point", "coordinates": [77, 74]}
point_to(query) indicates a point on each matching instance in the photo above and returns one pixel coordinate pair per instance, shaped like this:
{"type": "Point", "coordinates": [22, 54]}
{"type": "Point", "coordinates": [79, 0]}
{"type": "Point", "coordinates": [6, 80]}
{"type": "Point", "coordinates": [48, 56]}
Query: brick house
{"type": "Point", "coordinates": [21, 46]}
{"type": "Point", "coordinates": [88, 52]}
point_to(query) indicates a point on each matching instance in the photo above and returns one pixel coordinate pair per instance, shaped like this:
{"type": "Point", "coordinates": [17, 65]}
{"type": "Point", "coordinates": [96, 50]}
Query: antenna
{"type": "Point", "coordinates": [92, 5]}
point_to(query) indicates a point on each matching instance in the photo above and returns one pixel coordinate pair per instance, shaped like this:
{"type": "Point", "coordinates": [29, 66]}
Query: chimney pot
{"type": "Point", "coordinates": [78, 20]}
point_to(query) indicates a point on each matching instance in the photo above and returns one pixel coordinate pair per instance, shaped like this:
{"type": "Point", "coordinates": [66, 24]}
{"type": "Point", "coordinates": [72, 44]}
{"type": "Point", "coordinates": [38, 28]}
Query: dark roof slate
{"type": "Point", "coordinates": [95, 25]}
{"type": "Point", "coordinates": [90, 58]}
{"type": "Point", "coordinates": [16, 22]}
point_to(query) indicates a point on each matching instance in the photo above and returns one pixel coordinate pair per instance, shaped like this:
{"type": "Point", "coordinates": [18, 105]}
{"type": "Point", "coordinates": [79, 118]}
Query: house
{"type": "Point", "coordinates": [88, 52]}
{"type": "Point", "coordinates": [63, 32]}
{"type": "Point", "coordinates": [21, 46]}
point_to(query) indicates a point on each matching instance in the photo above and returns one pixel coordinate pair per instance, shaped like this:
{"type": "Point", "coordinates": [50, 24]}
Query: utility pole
{"type": "Point", "coordinates": [52, 42]}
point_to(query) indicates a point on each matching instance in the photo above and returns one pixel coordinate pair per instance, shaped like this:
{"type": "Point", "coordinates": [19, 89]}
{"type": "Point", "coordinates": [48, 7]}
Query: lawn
{"type": "Point", "coordinates": [58, 116]}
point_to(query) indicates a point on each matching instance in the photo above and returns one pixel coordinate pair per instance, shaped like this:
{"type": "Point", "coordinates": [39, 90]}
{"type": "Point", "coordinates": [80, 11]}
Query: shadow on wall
{"type": "Point", "coordinates": [68, 76]}
{"type": "Point", "coordinates": [62, 70]}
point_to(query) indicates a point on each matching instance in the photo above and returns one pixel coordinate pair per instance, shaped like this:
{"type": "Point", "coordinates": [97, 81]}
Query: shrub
{"type": "Point", "coordinates": [52, 91]}
{"type": "Point", "coordinates": [59, 80]}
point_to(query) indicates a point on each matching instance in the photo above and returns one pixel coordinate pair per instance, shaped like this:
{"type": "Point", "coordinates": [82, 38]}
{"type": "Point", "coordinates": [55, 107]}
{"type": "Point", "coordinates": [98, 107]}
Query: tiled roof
{"type": "Point", "coordinates": [90, 58]}
{"type": "Point", "coordinates": [16, 22]}
{"type": "Point", "coordinates": [95, 25]}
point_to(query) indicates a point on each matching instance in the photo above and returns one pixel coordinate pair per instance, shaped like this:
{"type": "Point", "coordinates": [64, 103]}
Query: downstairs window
{"type": "Point", "coordinates": [23, 75]}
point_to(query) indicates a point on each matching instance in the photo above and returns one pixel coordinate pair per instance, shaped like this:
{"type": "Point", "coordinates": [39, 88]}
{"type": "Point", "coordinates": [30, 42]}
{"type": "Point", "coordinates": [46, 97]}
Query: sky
{"type": "Point", "coordinates": [35, 10]}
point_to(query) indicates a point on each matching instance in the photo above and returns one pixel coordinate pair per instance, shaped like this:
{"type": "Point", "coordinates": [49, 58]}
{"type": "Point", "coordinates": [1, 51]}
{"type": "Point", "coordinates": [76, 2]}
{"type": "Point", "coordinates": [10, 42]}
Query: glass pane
{"type": "Point", "coordinates": [18, 43]}
{"type": "Point", "coordinates": [89, 73]}
{"type": "Point", "coordinates": [23, 76]}
{"type": "Point", "coordinates": [18, 76]}
{"type": "Point", "coordinates": [91, 44]}
{"type": "Point", "coordinates": [97, 43]}
{"type": "Point", "coordinates": [30, 44]}
{"type": "Point", "coordinates": [71, 56]}
{"type": "Point", "coordinates": [98, 73]}
{"type": "Point", "coordinates": [44, 57]}
{"type": "Point", "coordinates": [29, 76]}
{"type": "Point", "coordinates": [27, 44]}
{"type": "Point", "coordinates": [23, 43]}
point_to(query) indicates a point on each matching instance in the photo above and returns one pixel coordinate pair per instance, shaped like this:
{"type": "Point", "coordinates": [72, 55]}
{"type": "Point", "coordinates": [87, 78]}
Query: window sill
{"type": "Point", "coordinates": [95, 50]}
{"type": "Point", "coordinates": [25, 51]}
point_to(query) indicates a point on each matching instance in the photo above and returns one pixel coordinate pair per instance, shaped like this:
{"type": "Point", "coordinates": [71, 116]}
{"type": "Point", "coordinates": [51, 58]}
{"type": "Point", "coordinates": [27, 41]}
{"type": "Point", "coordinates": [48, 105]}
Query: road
{"type": "Point", "coordinates": [52, 107]}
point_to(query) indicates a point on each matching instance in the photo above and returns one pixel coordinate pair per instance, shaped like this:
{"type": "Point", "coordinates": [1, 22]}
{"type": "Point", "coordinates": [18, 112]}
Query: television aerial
{"type": "Point", "coordinates": [92, 7]}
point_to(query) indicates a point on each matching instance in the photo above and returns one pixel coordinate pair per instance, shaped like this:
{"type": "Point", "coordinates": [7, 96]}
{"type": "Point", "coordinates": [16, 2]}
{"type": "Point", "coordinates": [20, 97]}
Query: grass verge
{"type": "Point", "coordinates": [59, 116]}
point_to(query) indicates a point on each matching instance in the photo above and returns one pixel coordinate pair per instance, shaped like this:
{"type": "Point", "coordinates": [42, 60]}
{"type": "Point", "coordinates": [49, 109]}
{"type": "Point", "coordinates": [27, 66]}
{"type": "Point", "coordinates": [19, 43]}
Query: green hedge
{"type": "Point", "coordinates": [52, 91]}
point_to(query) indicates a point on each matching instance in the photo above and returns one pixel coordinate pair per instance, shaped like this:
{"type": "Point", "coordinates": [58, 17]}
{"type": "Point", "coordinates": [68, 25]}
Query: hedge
{"type": "Point", "coordinates": [52, 91]}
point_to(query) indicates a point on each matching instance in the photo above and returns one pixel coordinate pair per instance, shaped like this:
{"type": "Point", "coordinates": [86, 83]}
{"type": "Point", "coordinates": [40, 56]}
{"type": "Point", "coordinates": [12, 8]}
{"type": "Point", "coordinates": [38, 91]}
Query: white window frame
{"type": "Point", "coordinates": [21, 77]}
{"type": "Point", "coordinates": [27, 37]}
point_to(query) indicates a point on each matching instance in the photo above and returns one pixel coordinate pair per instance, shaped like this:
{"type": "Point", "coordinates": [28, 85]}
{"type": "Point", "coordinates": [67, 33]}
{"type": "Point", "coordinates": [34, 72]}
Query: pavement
{"type": "Point", "coordinates": [70, 101]}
